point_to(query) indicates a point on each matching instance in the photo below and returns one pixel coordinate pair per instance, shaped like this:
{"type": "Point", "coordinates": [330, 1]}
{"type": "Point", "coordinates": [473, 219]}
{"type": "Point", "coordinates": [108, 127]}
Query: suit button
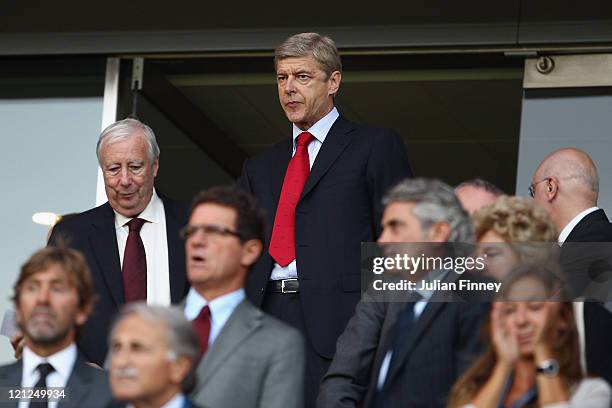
{"type": "Point", "coordinates": [262, 290]}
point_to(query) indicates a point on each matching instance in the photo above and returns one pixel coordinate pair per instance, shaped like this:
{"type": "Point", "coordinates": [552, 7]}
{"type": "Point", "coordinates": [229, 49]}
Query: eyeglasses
{"type": "Point", "coordinates": [210, 230]}
{"type": "Point", "coordinates": [532, 186]}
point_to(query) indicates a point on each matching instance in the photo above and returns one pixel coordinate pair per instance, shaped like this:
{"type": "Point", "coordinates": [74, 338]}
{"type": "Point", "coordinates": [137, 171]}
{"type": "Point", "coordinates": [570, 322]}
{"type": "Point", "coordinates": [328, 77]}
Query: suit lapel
{"type": "Point", "coordinates": [434, 306]}
{"type": "Point", "coordinates": [103, 240]}
{"type": "Point", "coordinates": [78, 384]}
{"type": "Point", "coordinates": [242, 323]}
{"type": "Point", "coordinates": [176, 252]}
{"type": "Point", "coordinates": [282, 156]}
{"type": "Point", "coordinates": [336, 141]}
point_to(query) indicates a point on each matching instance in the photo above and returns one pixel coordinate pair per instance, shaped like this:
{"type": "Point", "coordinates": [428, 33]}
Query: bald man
{"type": "Point", "coordinates": [566, 184]}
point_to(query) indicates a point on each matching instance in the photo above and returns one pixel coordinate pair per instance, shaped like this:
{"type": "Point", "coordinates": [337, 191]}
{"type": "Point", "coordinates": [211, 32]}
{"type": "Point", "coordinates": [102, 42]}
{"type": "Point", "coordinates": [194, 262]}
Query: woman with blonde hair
{"type": "Point", "coordinates": [512, 230]}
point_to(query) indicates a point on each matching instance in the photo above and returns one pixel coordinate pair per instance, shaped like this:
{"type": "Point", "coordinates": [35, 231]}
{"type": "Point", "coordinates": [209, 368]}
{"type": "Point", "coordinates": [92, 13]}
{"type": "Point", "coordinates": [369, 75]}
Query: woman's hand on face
{"type": "Point", "coordinates": [504, 336]}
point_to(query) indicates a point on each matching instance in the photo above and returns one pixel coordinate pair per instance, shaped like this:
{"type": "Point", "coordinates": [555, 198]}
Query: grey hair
{"type": "Point", "coordinates": [124, 129]}
{"type": "Point", "coordinates": [435, 202]}
{"type": "Point", "coordinates": [481, 184]}
{"type": "Point", "coordinates": [182, 340]}
{"type": "Point", "coordinates": [321, 48]}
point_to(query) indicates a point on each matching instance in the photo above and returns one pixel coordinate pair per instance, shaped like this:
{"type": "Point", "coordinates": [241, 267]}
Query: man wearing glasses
{"type": "Point", "coordinates": [566, 185]}
{"type": "Point", "coordinates": [249, 359]}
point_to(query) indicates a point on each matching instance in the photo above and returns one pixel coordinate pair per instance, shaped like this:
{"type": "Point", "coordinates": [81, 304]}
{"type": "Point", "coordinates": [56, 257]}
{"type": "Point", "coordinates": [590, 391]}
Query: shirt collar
{"type": "Point", "coordinates": [436, 274]}
{"type": "Point", "coordinates": [572, 224]}
{"type": "Point", "coordinates": [178, 401]}
{"type": "Point", "coordinates": [151, 213]}
{"type": "Point", "coordinates": [220, 306]}
{"type": "Point", "coordinates": [62, 361]}
{"type": "Point", "coordinates": [320, 129]}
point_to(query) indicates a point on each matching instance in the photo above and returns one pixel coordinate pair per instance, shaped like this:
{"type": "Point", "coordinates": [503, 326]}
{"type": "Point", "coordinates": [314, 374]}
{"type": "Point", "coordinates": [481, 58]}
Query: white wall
{"type": "Point", "coordinates": [47, 163]}
{"type": "Point", "coordinates": [552, 119]}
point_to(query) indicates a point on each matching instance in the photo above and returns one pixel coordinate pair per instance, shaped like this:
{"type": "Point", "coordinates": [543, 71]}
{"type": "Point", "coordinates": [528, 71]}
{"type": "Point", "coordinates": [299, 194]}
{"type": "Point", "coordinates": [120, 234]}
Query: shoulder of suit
{"type": "Point", "coordinates": [269, 323]}
{"type": "Point", "coordinates": [9, 368]}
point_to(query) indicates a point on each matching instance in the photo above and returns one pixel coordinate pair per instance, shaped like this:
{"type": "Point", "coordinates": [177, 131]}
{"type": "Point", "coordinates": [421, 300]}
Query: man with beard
{"type": "Point", "coordinates": [53, 298]}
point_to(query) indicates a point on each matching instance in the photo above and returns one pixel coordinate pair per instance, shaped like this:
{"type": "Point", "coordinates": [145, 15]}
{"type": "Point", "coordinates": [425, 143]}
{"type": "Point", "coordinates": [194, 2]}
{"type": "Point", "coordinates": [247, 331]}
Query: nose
{"type": "Point", "coordinates": [520, 316]}
{"type": "Point", "coordinates": [384, 237]}
{"type": "Point", "coordinates": [43, 295]}
{"type": "Point", "coordinates": [125, 178]}
{"type": "Point", "coordinates": [289, 86]}
{"type": "Point", "coordinates": [198, 238]}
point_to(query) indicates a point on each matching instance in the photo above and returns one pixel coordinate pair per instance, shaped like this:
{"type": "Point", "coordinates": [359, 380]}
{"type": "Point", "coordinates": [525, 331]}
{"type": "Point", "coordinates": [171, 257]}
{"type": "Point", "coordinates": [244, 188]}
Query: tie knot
{"type": "Point", "coordinates": [204, 313]}
{"type": "Point", "coordinates": [304, 139]}
{"type": "Point", "coordinates": [45, 369]}
{"type": "Point", "coordinates": [135, 224]}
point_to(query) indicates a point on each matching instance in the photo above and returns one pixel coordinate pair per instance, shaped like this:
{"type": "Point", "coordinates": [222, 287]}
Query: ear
{"type": "Point", "coordinates": [439, 232]}
{"type": "Point", "coordinates": [155, 167]}
{"type": "Point", "coordinates": [179, 369]}
{"type": "Point", "coordinates": [334, 82]}
{"type": "Point", "coordinates": [552, 188]}
{"type": "Point", "coordinates": [83, 314]}
{"type": "Point", "coordinates": [250, 252]}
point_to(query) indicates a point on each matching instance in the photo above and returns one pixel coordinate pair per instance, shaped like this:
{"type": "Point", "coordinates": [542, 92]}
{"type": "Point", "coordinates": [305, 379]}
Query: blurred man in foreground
{"type": "Point", "coordinates": [153, 351]}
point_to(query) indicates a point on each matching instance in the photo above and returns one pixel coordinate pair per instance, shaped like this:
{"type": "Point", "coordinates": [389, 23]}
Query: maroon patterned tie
{"type": "Point", "coordinates": [201, 325]}
{"type": "Point", "coordinates": [282, 243]}
{"type": "Point", "coordinates": [134, 268]}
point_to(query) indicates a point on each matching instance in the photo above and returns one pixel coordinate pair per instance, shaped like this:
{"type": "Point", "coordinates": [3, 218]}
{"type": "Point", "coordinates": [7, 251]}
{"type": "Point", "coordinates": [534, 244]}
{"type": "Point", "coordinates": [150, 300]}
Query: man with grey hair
{"type": "Point", "coordinates": [408, 353]}
{"type": "Point", "coordinates": [131, 243]}
{"type": "Point", "coordinates": [153, 352]}
{"type": "Point", "coordinates": [321, 190]}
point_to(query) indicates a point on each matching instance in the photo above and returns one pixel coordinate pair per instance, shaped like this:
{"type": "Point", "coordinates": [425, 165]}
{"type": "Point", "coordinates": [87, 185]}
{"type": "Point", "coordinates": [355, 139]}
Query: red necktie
{"type": "Point", "coordinates": [201, 325]}
{"type": "Point", "coordinates": [282, 244]}
{"type": "Point", "coordinates": [134, 268]}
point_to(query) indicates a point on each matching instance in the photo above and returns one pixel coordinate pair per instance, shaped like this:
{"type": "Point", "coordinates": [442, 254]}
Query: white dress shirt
{"type": "Point", "coordinates": [62, 362]}
{"type": "Point", "coordinates": [221, 308]}
{"type": "Point", "coordinates": [418, 310]}
{"type": "Point", "coordinates": [178, 401]}
{"type": "Point", "coordinates": [572, 224]}
{"type": "Point", "coordinates": [319, 130]}
{"type": "Point", "coordinates": [155, 241]}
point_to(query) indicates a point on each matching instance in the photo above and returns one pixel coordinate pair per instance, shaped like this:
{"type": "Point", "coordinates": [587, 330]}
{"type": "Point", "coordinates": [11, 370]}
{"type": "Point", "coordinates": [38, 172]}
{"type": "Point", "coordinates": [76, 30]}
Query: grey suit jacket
{"type": "Point", "coordinates": [87, 386]}
{"type": "Point", "coordinates": [256, 361]}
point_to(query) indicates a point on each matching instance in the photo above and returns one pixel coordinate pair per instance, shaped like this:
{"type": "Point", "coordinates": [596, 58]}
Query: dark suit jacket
{"type": "Point", "coordinates": [87, 386]}
{"type": "Point", "coordinates": [595, 227]}
{"type": "Point", "coordinates": [339, 208]}
{"type": "Point", "coordinates": [93, 233]}
{"type": "Point", "coordinates": [580, 259]}
{"type": "Point", "coordinates": [442, 343]}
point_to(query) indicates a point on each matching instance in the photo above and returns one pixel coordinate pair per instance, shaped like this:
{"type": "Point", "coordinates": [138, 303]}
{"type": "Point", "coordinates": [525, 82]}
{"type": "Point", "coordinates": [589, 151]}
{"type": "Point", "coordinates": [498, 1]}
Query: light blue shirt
{"type": "Point", "coordinates": [319, 130]}
{"type": "Point", "coordinates": [418, 310]}
{"type": "Point", "coordinates": [221, 309]}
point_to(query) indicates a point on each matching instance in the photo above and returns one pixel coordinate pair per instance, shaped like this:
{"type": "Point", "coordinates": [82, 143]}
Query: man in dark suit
{"type": "Point", "coordinates": [321, 190]}
{"type": "Point", "coordinates": [153, 351]}
{"type": "Point", "coordinates": [566, 184]}
{"type": "Point", "coordinates": [53, 298]}
{"type": "Point", "coordinates": [408, 354]}
{"type": "Point", "coordinates": [131, 242]}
